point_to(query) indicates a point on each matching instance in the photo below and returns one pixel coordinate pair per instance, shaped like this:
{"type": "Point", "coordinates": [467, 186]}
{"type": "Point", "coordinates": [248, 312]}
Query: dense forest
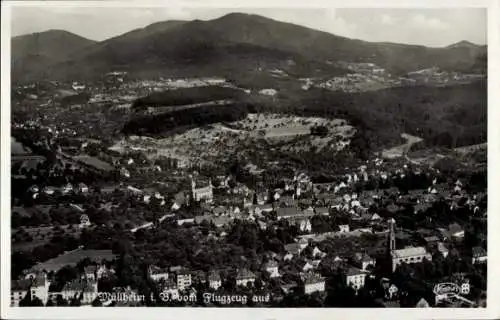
{"type": "Point", "coordinates": [443, 116]}
{"type": "Point", "coordinates": [185, 96]}
{"type": "Point", "coordinates": [186, 118]}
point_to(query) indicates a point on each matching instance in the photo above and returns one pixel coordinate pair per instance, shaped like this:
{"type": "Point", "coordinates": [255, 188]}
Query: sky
{"type": "Point", "coordinates": [429, 27]}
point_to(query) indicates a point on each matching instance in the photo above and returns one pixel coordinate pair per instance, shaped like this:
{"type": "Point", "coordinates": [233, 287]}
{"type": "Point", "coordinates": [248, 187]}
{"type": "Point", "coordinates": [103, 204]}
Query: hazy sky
{"type": "Point", "coordinates": [430, 27]}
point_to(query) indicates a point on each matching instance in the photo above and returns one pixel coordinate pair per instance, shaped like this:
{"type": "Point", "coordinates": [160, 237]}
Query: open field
{"type": "Point", "coordinates": [402, 149]}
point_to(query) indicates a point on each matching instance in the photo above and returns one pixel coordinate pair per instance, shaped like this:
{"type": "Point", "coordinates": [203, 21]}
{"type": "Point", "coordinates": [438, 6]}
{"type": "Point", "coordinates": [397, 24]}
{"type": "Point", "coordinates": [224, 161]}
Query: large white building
{"type": "Point", "coordinates": [214, 280]}
{"type": "Point", "coordinates": [407, 255]}
{"type": "Point", "coordinates": [355, 278]}
{"type": "Point", "coordinates": [184, 279]}
{"type": "Point", "coordinates": [272, 268]}
{"type": "Point", "coordinates": [157, 273]}
{"type": "Point", "coordinates": [244, 277]}
{"type": "Point", "coordinates": [80, 288]}
{"type": "Point", "coordinates": [202, 193]}
{"type": "Point", "coordinates": [313, 283]}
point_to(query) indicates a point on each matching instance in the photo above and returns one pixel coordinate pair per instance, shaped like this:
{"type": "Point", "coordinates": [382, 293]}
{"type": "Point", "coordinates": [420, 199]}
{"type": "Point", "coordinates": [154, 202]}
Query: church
{"type": "Point", "coordinates": [203, 193]}
{"type": "Point", "coordinates": [407, 255]}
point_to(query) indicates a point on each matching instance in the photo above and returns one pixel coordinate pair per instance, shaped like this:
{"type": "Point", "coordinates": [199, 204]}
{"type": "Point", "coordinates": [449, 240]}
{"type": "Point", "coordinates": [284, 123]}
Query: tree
{"type": "Point", "coordinates": [75, 302]}
{"type": "Point", "coordinates": [36, 302]}
{"type": "Point", "coordinates": [97, 302]}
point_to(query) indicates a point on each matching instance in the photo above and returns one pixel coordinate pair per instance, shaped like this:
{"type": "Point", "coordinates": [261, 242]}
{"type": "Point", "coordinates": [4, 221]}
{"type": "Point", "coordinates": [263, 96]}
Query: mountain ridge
{"type": "Point", "coordinates": [183, 47]}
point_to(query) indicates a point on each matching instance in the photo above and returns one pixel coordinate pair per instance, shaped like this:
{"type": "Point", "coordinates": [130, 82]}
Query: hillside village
{"type": "Point", "coordinates": [293, 238]}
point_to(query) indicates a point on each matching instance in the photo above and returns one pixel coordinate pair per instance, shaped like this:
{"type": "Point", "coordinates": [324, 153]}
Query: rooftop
{"type": "Point", "coordinates": [478, 252]}
{"type": "Point", "coordinates": [289, 212]}
{"type": "Point", "coordinates": [79, 285]}
{"type": "Point", "coordinates": [354, 272]}
{"type": "Point", "coordinates": [244, 274]}
{"type": "Point", "coordinates": [409, 252]}
{"type": "Point", "coordinates": [214, 276]}
{"type": "Point", "coordinates": [20, 285]}
{"type": "Point", "coordinates": [313, 278]}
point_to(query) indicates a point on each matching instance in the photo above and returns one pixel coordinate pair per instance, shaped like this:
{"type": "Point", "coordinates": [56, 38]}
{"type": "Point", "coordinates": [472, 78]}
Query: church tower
{"type": "Point", "coordinates": [391, 243]}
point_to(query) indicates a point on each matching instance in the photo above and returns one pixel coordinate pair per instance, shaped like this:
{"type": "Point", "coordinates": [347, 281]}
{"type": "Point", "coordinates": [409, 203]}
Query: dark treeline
{"type": "Point", "coordinates": [187, 96]}
{"type": "Point", "coordinates": [79, 98]}
{"type": "Point", "coordinates": [199, 116]}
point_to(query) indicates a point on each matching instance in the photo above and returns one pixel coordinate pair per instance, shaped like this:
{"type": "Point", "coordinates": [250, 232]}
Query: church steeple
{"type": "Point", "coordinates": [392, 236]}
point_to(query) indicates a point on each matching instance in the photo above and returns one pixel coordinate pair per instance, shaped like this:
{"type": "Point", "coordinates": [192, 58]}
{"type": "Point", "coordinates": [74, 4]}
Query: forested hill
{"type": "Point", "coordinates": [237, 44]}
{"type": "Point", "coordinates": [444, 116]}
{"type": "Point", "coordinates": [449, 116]}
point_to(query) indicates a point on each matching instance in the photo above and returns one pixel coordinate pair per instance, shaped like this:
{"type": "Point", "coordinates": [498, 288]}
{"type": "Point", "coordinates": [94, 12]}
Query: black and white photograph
{"type": "Point", "coordinates": [248, 157]}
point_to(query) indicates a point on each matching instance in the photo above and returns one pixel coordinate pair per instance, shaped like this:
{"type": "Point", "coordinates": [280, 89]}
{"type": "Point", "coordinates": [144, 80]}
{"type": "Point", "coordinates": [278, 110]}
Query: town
{"type": "Point", "coordinates": [232, 160]}
{"type": "Point", "coordinates": [92, 222]}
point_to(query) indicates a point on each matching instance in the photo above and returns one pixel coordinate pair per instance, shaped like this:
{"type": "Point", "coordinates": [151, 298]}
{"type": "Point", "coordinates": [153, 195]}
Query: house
{"type": "Point", "coordinates": [363, 260]}
{"type": "Point", "coordinates": [288, 212]}
{"type": "Point", "coordinates": [244, 277]}
{"type": "Point", "coordinates": [431, 240]}
{"type": "Point", "coordinates": [157, 274]}
{"type": "Point", "coordinates": [422, 303]}
{"type": "Point", "coordinates": [318, 253]}
{"type": "Point", "coordinates": [303, 243]}
{"type": "Point", "coordinates": [441, 248]}
{"type": "Point", "coordinates": [81, 289]}
{"type": "Point", "coordinates": [344, 228]}
{"type": "Point", "coordinates": [287, 201]}
{"type": "Point", "coordinates": [293, 248]}
{"type": "Point", "coordinates": [260, 208]}
{"type": "Point", "coordinates": [304, 224]}
{"type": "Point", "coordinates": [288, 257]}
{"type": "Point", "coordinates": [324, 211]}
{"type": "Point", "coordinates": [479, 255]}
{"type": "Point", "coordinates": [18, 290]}
{"type": "Point", "coordinates": [305, 267]}
{"type": "Point", "coordinates": [355, 278]}
{"type": "Point", "coordinates": [183, 278]}
{"type": "Point", "coordinates": [409, 255]}
{"type": "Point", "coordinates": [180, 222]}
{"type": "Point", "coordinates": [421, 207]}
{"type": "Point", "coordinates": [169, 288]}
{"type": "Point", "coordinates": [456, 231]}
{"type": "Point", "coordinates": [175, 206]}
{"type": "Point", "coordinates": [39, 285]}
{"type": "Point", "coordinates": [84, 221]}
{"type": "Point", "coordinates": [67, 188]}
{"type": "Point", "coordinates": [82, 187]}
{"type": "Point", "coordinates": [124, 172]}
{"type": "Point", "coordinates": [261, 198]}
{"type": "Point", "coordinates": [313, 283]}
{"type": "Point", "coordinates": [272, 268]}
{"type": "Point", "coordinates": [214, 280]}
{"type": "Point", "coordinates": [392, 291]}
{"type": "Point", "coordinates": [392, 208]}
{"type": "Point", "coordinates": [262, 225]}
{"type": "Point", "coordinates": [289, 287]}
{"type": "Point", "coordinates": [90, 273]}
